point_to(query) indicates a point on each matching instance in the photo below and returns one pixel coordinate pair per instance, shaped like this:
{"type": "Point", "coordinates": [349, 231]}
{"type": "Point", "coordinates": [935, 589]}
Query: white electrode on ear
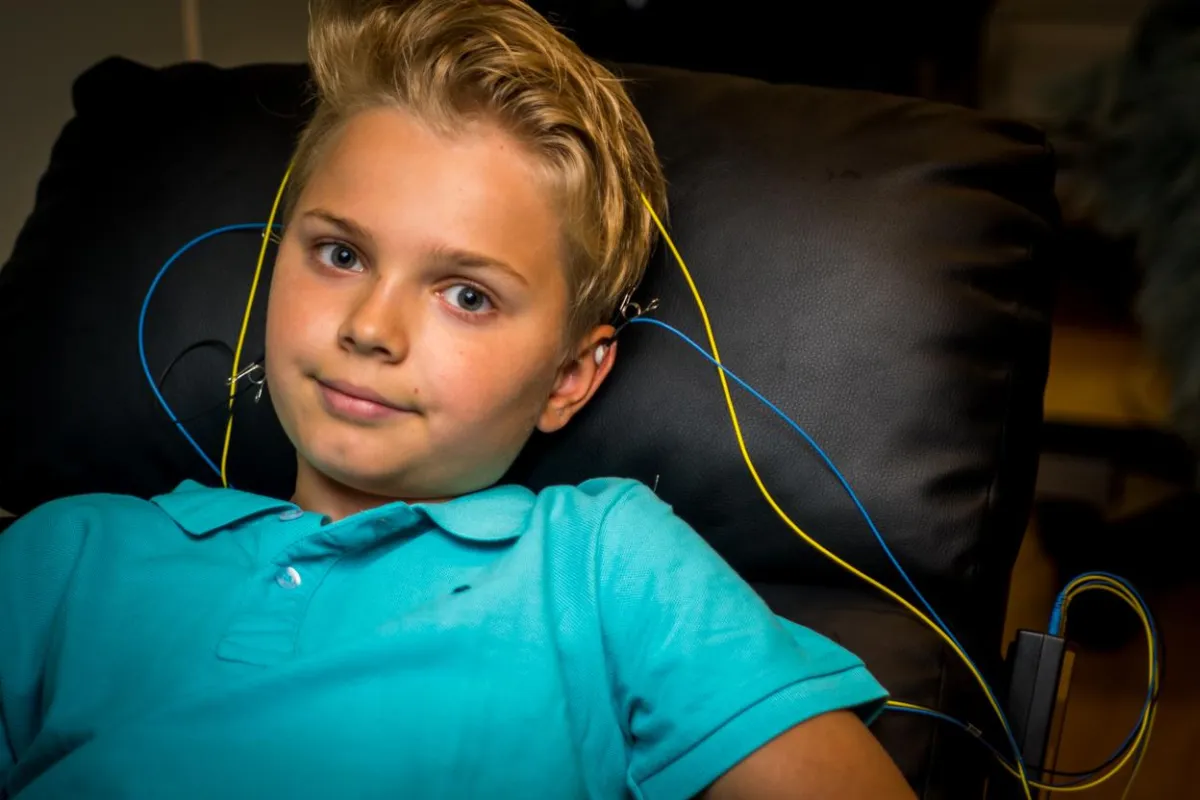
{"type": "Point", "coordinates": [601, 352]}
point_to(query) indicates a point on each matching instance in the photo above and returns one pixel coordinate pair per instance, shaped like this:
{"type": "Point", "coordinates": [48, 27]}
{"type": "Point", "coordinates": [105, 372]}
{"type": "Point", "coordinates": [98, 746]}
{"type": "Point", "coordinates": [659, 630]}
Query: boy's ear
{"type": "Point", "coordinates": [579, 378]}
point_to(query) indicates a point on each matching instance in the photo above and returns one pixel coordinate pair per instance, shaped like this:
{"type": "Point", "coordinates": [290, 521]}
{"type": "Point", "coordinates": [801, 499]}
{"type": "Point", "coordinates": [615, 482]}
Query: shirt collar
{"type": "Point", "coordinates": [492, 515]}
{"type": "Point", "coordinates": [200, 509]}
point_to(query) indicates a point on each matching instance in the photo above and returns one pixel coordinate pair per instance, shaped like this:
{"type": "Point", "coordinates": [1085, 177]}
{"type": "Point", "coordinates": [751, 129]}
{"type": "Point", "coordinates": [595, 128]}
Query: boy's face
{"type": "Point", "coordinates": [418, 309]}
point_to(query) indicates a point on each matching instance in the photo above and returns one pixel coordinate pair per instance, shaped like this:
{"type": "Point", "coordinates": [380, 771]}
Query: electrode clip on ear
{"type": "Point", "coordinates": [629, 311]}
{"type": "Point", "coordinates": [626, 313]}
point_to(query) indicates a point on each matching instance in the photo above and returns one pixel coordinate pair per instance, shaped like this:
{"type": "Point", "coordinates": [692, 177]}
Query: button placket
{"type": "Point", "coordinates": [265, 629]}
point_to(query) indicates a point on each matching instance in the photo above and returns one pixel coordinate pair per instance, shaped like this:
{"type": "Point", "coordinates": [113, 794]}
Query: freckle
{"type": "Point", "coordinates": [416, 391]}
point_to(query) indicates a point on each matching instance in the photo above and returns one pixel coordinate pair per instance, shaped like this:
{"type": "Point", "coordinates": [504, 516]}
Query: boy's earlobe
{"type": "Point", "coordinates": [582, 378]}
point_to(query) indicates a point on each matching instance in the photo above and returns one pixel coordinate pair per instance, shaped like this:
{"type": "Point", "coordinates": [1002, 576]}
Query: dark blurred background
{"type": "Point", "coordinates": [922, 47]}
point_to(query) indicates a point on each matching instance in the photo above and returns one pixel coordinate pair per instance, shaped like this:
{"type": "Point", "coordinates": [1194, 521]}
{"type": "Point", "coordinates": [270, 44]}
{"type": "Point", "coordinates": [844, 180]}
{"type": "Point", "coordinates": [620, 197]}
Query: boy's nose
{"type": "Point", "coordinates": [374, 327]}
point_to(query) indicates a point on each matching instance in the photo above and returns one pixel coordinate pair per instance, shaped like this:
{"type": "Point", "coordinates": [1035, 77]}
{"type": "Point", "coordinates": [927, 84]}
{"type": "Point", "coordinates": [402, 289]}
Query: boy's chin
{"type": "Point", "coordinates": [380, 480]}
{"type": "Point", "coordinates": [386, 481]}
{"type": "Point", "coordinates": [366, 460]}
{"type": "Point", "coordinates": [369, 466]}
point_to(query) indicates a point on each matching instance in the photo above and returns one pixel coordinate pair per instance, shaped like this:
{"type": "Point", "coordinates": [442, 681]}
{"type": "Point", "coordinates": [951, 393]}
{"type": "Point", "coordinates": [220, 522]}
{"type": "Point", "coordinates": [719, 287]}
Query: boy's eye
{"type": "Point", "coordinates": [467, 298]}
{"type": "Point", "coordinates": [339, 256]}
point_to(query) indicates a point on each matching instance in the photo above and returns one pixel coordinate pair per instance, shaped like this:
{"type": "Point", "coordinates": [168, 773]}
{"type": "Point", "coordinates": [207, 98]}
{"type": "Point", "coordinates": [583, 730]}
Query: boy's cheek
{"type": "Point", "coordinates": [298, 317]}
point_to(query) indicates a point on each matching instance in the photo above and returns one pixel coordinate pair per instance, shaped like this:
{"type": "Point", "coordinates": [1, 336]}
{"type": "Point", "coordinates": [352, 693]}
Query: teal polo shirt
{"type": "Point", "coordinates": [579, 642]}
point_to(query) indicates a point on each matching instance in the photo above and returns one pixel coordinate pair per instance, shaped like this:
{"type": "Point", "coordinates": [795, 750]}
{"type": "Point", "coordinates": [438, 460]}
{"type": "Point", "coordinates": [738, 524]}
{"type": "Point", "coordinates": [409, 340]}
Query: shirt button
{"type": "Point", "coordinates": [291, 514]}
{"type": "Point", "coordinates": [288, 578]}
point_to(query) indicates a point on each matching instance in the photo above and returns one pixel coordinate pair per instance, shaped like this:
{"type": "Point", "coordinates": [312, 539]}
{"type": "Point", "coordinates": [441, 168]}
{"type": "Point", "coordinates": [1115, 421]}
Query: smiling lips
{"type": "Point", "coordinates": [357, 403]}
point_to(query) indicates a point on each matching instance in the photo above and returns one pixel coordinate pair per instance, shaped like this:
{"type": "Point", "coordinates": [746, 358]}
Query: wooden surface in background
{"type": "Point", "coordinates": [1104, 376]}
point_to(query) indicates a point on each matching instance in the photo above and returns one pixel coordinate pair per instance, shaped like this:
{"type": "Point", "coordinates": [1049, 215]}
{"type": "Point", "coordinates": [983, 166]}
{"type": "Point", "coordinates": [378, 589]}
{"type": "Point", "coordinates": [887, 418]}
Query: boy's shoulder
{"type": "Point", "coordinates": [604, 490]}
{"type": "Point", "coordinates": [82, 509]}
{"type": "Point", "coordinates": [599, 497]}
{"type": "Point", "coordinates": [51, 538]}
{"type": "Point", "coordinates": [618, 511]}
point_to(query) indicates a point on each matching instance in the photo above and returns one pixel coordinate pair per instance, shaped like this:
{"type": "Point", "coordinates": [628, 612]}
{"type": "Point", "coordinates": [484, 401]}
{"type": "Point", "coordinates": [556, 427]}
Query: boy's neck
{"type": "Point", "coordinates": [319, 493]}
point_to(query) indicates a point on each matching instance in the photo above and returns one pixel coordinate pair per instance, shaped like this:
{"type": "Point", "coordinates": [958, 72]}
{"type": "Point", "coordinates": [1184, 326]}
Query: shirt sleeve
{"type": "Point", "coordinates": [704, 673]}
{"type": "Point", "coordinates": [38, 554]}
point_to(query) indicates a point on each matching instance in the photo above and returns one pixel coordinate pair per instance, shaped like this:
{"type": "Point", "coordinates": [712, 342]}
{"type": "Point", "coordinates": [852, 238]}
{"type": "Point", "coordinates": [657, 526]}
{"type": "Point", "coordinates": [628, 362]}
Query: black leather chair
{"type": "Point", "coordinates": [875, 265]}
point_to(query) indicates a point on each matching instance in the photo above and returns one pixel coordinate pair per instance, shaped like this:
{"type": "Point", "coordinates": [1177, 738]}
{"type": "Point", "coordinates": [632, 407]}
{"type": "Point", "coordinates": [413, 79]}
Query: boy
{"type": "Point", "coordinates": [464, 217]}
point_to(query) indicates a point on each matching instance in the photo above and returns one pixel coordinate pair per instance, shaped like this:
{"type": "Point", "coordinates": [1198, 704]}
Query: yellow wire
{"type": "Point", "coordinates": [737, 429]}
{"type": "Point", "coordinates": [241, 342]}
{"type": "Point", "coordinates": [913, 706]}
{"type": "Point", "coordinates": [1137, 765]}
{"type": "Point", "coordinates": [1147, 720]}
{"type": "Point", "coordinates": [1074, 589]}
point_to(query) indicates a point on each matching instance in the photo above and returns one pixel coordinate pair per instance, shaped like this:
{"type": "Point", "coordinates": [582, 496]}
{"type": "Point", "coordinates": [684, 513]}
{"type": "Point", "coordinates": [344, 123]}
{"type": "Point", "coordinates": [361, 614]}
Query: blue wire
{"type": "Point", "coordinates": [141, 334]}
{"type": "Point", "coordinates": [823, 456]}
{"type": "Point", "coordinates": [888, 551]}
{"type": "Point", "coordinates": [1056, 618]}
{"type": "Point", "coordinates": [995, 751]}
{"type": "Point", "coordinates": [974, 732]}
{"type": "Point", "coordinates": [1060, 601]}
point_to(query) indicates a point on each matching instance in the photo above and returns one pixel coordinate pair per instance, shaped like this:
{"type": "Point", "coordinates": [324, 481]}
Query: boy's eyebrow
{"type": "Point", "coordinates": [452, 256]}
{"type": "Point", "coordinates": [341, 223]}
{"type": "Point", "coordinates": [465, 259]}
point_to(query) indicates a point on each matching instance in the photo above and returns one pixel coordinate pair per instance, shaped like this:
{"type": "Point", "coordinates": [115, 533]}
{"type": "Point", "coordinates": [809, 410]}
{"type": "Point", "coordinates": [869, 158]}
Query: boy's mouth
{"type": "Point", "coordinates": [357, 403]}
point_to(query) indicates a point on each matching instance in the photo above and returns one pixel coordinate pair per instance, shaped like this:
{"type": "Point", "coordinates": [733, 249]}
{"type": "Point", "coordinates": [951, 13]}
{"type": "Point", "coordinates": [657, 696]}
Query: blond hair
{"type": "Point", "coordinates": [451, 61]}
